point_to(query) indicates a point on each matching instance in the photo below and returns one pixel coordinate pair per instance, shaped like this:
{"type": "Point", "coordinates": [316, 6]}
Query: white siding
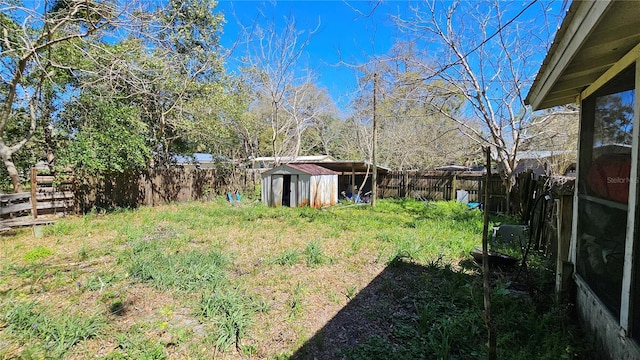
{"type": "Point", "coordinates": [306, 190]}
{"type": "Point", "coordinates": [266, 190]}
{"type": "Point", "coordinates": [294, 191]}
{"type": "Point", "coordinates": [324, 190]}
{"type": "Point", "coordinates": [276, 190]}
{"type": "Point", "coordinates": [303, 190]}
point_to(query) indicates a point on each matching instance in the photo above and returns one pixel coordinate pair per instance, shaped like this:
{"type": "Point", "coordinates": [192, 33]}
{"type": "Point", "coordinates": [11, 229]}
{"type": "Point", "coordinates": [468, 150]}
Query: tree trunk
{"type": "Point", "coordinates": [11, 169]}
{"type": "Point", "coordinates": [508, 182]}
{"type": "Point", "coordinates": [274, 137]}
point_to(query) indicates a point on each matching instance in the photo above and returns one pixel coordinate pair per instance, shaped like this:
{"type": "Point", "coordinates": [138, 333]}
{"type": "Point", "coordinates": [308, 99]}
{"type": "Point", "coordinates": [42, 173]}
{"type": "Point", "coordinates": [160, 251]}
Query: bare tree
{"type": "Point", "coordinates": [305, 105]}
{"type": "Point", "coordinates": [486, 53]}
{"type": "Point", "coordinates": [555, 138]}
{"type": "Point", "coordinates": [273, 56]}
{"type": "Point", "coordinates": [413, 133]}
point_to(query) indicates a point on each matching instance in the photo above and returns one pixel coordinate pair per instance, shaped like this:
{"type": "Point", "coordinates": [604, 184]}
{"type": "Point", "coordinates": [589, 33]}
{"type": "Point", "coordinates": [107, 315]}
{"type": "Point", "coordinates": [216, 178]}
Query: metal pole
{"type": "Point", "coordinates": [374, 176]}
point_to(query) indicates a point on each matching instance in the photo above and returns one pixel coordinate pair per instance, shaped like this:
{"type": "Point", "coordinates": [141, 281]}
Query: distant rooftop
{"type": "Point", "coordinates": [200, 159]}
{"type": "Point", "coordinates": [288, 159]}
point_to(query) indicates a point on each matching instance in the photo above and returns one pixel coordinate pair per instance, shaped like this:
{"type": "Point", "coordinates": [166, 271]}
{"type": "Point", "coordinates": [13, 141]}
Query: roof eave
{"type": "Point", "coordinates": [582, 17]}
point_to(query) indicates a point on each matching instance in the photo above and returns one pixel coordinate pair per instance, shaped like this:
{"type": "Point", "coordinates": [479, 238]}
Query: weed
{"type": "Point", "coordinates": [60, 228]}
{"type": "Point", "coordinates": [182, 334]}
{"type": "Point", "coordinates": [249, 350]}
{"type": "Point", "coordinates": [54, 332]}
{"type": "Point", "coordinates": [102, 280]}
{"type": "Point", "coordinates": [334, 233]}
{"type": "Point", "coordinates": [385, 236]}
{"type": "Point", "coordinates": [231, 313]}
{"type": "Point", "coordinates": [350, 292]}
{"type": "Point", "coordinates": [288, 257]}
{"type": "Point", "coordinates": [335, 297]}
{"type": "Point", "coordinates": [314, 254]}
{"type": "Point", "coordinates": [406, 249]}
{"type": "Point", "coordinates": [372, 348]}
{"type": "Point", "coordinates": [184, 250]}
{"type": "Point", "coordinates": [135, 345]}
{"type": "Point", "coordinates": [295, 303]}
{"type": "Point", "coordinates": [187, 271]}
{"type": "Point", "coordinates": [83, 253]}
{"type": "Point", "coordinates": [354, 247]}
{"type": "Point", "coordinates": [260, 305]}
{"type": "Point", "coordinates": [37, 253]}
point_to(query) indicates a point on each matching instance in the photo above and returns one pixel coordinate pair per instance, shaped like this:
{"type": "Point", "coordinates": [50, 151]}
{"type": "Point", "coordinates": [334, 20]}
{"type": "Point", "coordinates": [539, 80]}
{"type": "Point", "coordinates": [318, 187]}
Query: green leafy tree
{"type": "Point", "coordinates": [185, 70]}
{"type": "Point", "coordinates": [28, 41]}
{"type": "Point", "coordinates": [305, 107]}
{"type": "Point", "coordinates": [323, 134]}
{"type": "Point", "coordinates": [106, 137]}
{"type": "Point", "coordinates": [170, 68]}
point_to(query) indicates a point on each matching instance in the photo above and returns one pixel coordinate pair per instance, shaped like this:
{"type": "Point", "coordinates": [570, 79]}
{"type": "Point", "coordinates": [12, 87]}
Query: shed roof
{"type": "Point", "coordinates": [454, 168]}
{"type": "Point", "coordinates": [350, 166]}
{"type": "Point", "coordinates": [292, 169]}
{"type": "Point", "coordinates": [594, 35]}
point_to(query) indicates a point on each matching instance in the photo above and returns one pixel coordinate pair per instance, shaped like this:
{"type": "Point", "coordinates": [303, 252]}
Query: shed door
{"type": "Point", "coordinates": [286, 190]}
{"type": "Point", "coordinates": [276, 190]}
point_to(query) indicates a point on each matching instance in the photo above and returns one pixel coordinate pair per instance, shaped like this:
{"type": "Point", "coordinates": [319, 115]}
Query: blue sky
{"type": "Point", "coordinates": [350, 31]}
{"type": "Point", "coordinates": [345, 34]}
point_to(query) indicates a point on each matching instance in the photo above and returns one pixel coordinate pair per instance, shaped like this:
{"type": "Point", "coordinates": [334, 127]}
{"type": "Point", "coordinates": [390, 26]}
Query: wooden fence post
{"type": "Point", "coordinates": [453, 187]}
{"type": "Point", "coordinates": [34, 193]}
{"type": "Point", "coordinates": [405, 184]}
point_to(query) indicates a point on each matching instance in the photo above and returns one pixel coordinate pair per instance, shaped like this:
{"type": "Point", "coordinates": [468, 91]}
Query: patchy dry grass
{"type": "Point", "coordinates": [211, 280]}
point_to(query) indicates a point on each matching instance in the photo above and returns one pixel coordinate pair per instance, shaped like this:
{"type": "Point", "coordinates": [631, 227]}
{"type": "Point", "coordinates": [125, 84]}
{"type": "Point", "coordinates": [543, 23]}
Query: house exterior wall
{"type": "Point", "coordinates": [605, 232]}
{"type": "Point", "coordinates": [608, 335]}
{"type": "Point", "coordinates": [599, 42]}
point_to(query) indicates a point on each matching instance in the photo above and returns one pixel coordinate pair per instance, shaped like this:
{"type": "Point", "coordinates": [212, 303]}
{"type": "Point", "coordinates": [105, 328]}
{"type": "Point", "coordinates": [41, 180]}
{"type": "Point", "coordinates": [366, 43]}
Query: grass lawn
{"type": "Point", "coordinates": [212, 280]}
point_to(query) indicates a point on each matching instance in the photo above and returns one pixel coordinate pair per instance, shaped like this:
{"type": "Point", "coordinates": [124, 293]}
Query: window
{"type": "Point", "coordinates": [605, 166]}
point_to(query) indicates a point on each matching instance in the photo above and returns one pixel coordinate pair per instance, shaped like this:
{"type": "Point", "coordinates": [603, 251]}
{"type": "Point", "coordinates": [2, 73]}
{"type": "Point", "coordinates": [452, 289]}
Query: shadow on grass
{"type": "Point", "coordinates": [407, 311]}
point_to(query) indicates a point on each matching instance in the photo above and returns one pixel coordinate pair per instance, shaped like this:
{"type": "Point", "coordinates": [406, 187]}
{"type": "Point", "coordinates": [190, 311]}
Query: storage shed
{"type": "Point", "coordinates": [300, 185]}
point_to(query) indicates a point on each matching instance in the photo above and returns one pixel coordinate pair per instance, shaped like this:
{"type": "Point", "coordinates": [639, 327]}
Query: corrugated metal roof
{"type": "Point", "coordinates": [312, 169]}
{"type": "Point", "coordinates": [594, 35]}
{"type": "Point", "coordinates": [453, 168]}
{"type": "Point", "coordinates": [349, 166]}
{"type": "Point", "coordinates": [291, 169]}
{"type": "Point", "coordinates": [289, 159]}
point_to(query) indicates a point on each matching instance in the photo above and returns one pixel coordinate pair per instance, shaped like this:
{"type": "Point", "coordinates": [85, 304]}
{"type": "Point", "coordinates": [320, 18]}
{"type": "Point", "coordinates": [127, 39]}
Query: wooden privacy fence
{"type": "Point", "coordinates": [132, 189]}
{"type": "Point", "coordinates": [49, 193]}
{"type": "Point", "coordinates": [442, 185]}
{"type": "Point", "coordinates": [546, 205]}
